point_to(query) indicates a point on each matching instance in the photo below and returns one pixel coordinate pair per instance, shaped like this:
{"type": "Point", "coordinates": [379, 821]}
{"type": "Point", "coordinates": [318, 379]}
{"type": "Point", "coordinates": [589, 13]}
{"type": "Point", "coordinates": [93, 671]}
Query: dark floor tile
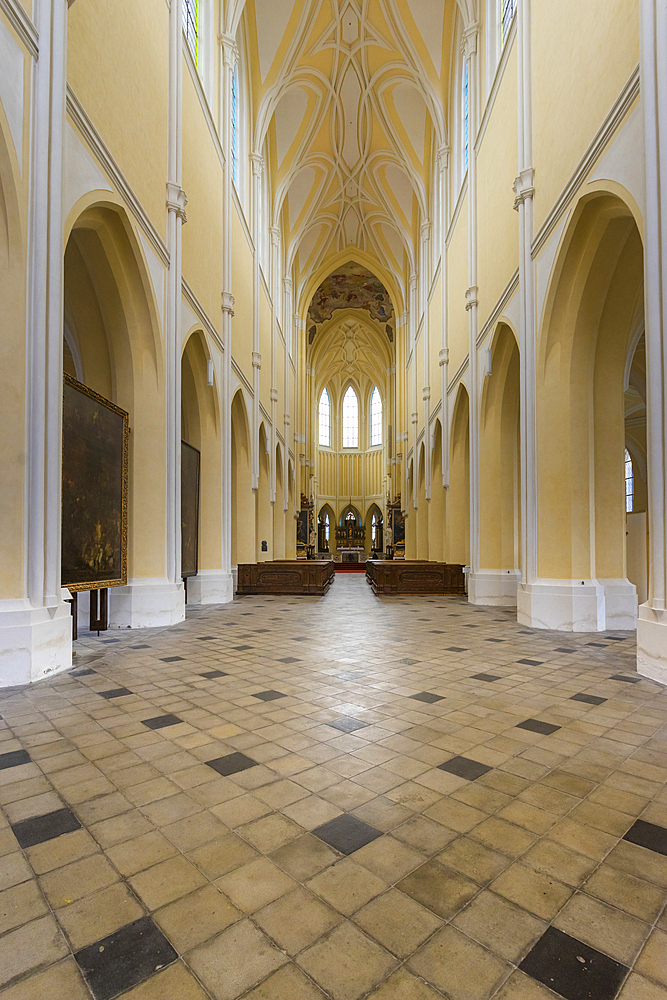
{"type": "Point", "coordinates": [210, 674]}
{"type": "Point", "coordinates": [564, 649]}
{"type": "Point", "coordinates": [14, 758]}
{"type": "Point", "coordinates": [588, 699]}
{"type": "Point", "coordinates": [427, 696]}
{"type": "Point", "coordinates": [231, 763]}
{"type": "Point", "coordinates": [106, 641]}
{"type": "Point", "coordinates": [494, 640]}
{"type": "Point", "coordinates": [408, 662]}
{"type": "Point", "coordinates": [115, 693]}
{"type": "Point", "coordinates": [141, 645]}
{"type": "Point", "coordinates": [346, 833]}
{"type": "Point", "coordinates": [602, 645]}
{"type": "Point", "coordinates": [125, 959]}
{"type": "Point", "coordinates": [350, 675]}
{"type": "Point", "coordinates": [535, 726]}
{"type": "Point", "coordinates": [572, 969]}
{"type": "Point", "coordinates": [171, 659]}
{"type": "Point", "coordinates": [269, 695]}
{"type": "Point", "coordinates": [463, 767]}
{"type": "Point", "coordinates": [347, 724]}
{"type": "Point", "coordinates": [437, 631]}
{"type": "Point", "coordinates": [239, 649]}
{"type": "Point", "coordinates": [162, 721]}
{"type": "Point", "coordinates": [82, 672]}
{"type": "Point", "coordinates": [531, 663]}
{"type": "Point", "coordinates": [648, 835]}
{"type": "Point", "coordinates": [621, 677]}
{"type": "Point", "coordinates": [205, 638]}
{"type": "Point", "coordinates": [39, 829]}
{"type": "Point", "coordinates": [456, 649]}
{"type": "Point", "coordinates": [486, 677]}
{"type": "Point", "coordinates": [289, 659]}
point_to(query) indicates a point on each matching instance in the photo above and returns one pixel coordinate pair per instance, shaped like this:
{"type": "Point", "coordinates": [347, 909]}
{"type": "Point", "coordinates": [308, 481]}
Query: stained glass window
{"type": "Point", "coordinates": [629, 484]}
{"type": "Point", "coordinates": [350, 419]}
{"type": "Point", "coordinates": [191, 24]}
{"type": "Point", "coordinates": [325, 419]}
{"type": "Point", "coordinates": [509, 7]}
{"type": "Point", "coordinates": [376, 418]}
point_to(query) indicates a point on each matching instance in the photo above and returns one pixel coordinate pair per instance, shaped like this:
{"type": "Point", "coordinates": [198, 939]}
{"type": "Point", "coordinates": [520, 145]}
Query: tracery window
{"type": "Point", "coordinates": [508, 10]}
{"type": "Point", "coordinates": [191, 24]}
{"type": "Point", "coordinates": [376, 418]}
{"type": "Point", "coordinates": [629, 484]}
{"type": "Point", "coordinates": [325, 419]}
{"type": "Point", "coordinates": [235, 118]}
{"type": "Point", "coordinates": [350, 419]}
{"type": "Point", "coordinates": [374, 530]}
{"type": "Point", "coordinates": [465, 113]}
{"type": "Point", "coordinates": [326, 529]}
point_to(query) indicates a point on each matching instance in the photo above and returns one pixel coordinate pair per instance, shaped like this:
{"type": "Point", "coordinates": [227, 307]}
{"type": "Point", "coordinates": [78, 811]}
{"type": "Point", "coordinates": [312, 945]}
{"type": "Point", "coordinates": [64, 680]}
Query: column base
{"type": "Point", "coordinates": [34, 642]}
{"type": "Point", "coordinates": [146, 604]}
{"type": "Point", "coordinates": [620, 599]}
{"type": "Point", "coordinates": [562, 605]}
{"type": "Point", "coordinates": [211, 586]}
{"type": "Point", "coordinates": [494, 587]}
{"type": "Point", "coordinates": [235, 578]}
{"type": "Point", "coordinates": [652, 644]}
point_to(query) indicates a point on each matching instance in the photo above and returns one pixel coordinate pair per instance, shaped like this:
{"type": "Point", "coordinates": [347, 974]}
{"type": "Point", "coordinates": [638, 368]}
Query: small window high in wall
{"type": "Point", "coordinates": [325, 419]}
{"type": "Point", "coordinates": [508, 11]}
{"type": "Point", "coordinates": [235, 120]}
{"type": "Point", "coordinates": [191, 24]}
{"type": "Point", "coordinates": [350, 419]}
{"type": "Point", "coordinates": [629, 484]}
{"type": "Point", "coordinates": [465, 114]}
{"type": "Point", "coordinates": [376, 418]}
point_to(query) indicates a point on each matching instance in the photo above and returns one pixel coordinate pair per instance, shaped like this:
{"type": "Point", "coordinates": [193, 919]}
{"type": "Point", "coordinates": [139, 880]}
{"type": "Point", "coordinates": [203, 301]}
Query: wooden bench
{"type": "Point", "coordinates": [286, 576]}
{"type": "Point", "coordinates": [414, 576]}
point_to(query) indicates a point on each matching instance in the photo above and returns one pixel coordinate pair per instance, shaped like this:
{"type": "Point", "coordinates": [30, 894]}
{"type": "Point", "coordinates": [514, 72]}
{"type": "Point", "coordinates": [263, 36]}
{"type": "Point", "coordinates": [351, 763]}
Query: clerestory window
{"type": "Point", "coordinates": [191, 25]}
{"type": "Point", "coordinates": [235, 121]}
{"type": "Point", "coordinates": [376, 418]}
{"type": "Point", "coordinates": [325, 419]}
{"type": "Point", "coordinates": [350, 419]}
{"type": "Point", "coordinates": [508, 11]}
{"type": "Point", "coordinates": [629, 483]}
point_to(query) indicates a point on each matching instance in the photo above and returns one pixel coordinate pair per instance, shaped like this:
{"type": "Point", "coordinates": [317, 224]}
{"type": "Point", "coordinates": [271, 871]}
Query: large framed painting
{"type": "Point", "coordinates": [190, 472]}
{"type": "Point", "coordinates": [94, 490]}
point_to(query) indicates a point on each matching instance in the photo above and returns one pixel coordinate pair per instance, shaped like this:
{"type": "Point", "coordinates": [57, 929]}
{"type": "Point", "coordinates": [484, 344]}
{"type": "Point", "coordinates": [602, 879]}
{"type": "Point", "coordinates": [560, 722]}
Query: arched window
{"type": "Point", "coordinates": [325, 419]}
{"type": "Point", "coordinates": [374, 530]}
{"type": "Point", "coordinates": [191, 24]}
{"type": "Point", "coordinates": [350, 518]}
{"type": "Point", "coordinates": [326, 529]}
{"type": "Point", "coordinates": [629, 484]}
{"type": "Point", "coordinates": [376, 418]}
{"type": "Point", "coordinates": [465, 114]}
{"type": "Point", "coordinates": [508, 10]}
{"type": "Point", "coordinates": [235, 121]}
{"type": "Point", "coordinates": [350, 419]}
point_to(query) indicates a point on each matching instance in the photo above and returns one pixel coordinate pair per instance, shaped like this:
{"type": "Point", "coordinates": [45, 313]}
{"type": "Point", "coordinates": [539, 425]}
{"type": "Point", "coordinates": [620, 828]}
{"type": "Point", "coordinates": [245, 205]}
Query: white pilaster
{"type": "Point", "coordinates": [652, 624]}
{"type": "Point", "coordinates": [443, 355]}
{"type": "Point", "coordinates": [257, 170]}
{"type": "Point", "coordinates": [425, 270]}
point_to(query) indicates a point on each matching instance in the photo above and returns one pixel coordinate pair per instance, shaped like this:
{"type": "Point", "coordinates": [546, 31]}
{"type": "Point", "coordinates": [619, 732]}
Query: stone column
{"type": "Point", "coordinates": [257, 171]}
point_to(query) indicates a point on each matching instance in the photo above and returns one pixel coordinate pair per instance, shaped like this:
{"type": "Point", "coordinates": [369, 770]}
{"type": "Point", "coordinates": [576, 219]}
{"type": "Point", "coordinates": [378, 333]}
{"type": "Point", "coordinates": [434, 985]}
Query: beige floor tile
{"type": "Point", "coordinates": [583, 839]}
{"type": "Point", "coordinates": [81, 878]}
{"type": "Point", "coordinates": [117, 829]}
{"type": "Point", "coordinates": [462, 969]}
{"type": "Point", "coordinates": [38, 943]}
{"type": "Point", "coordinates": [20, 904]}
{"type": "Point", "coordinates": [59, 982]}
{"type": "Point", "coordinates": [304, 857]}
{"type": "Point", "coordinates": [472, 859]}
{"type": "Point", "coordinates": [193, 831]}
{"type": "Point", "coordinates": [174, 983]}
{"type": "Point", "coordinates": [235, 812]}
{"type": "Point", "coordinates": [507, 930]}
{"type": "Point", "coordinates": [559, 862]}
{"type": "Point", "coordinates": [455, 815]}
{"type": "Point", "coordinates": [397, 922]}
{"type": "Point", "coordinates": [236, 960]}
{"type": "Point", "coordinates": [312, 812]}
{"type": "Point", "coordinates": [61, 851]}
{"type": "Point", "coordinates": [382, 813]}
{"type": "Point", "coordinates": [283, 793]}
{"type": "Point", "coordinates": [519, 986]}
{"type": "Point", "coordinates": [634, 895]}
{"type": "Point", "coordinates": [532, 890]}
{"type": "Point", "coordinates": [222, 856]}
{"type": "Point", "coordinates": [296, 920]}
{"type": "Point", "coordinates": [171, 809]}
{"type": "Point", "coordinates": [288, 983]}
{"type": "Point", "coordinates": [611, 931]}
{"type": "Point", "coordinates": [196, 917]}
{"type": "Point", "coordinates": [143, 852]}
{"type": "Point", "coordinates": [424, 834]}
{"type": "Point", "coordinates": [346, 963]}
{"type": "Point", "coordinates": [166, 881]}
{"type": "Point", "coordinates": [402, 985]}
{"type": "Point", "coordinates": [270, 832]}
{"type": "Point", "coordinates": [638, 988]}
{"type": "Point", "coordinates": [504, 837]}
{"type": "Point", "coordinates": [347, 886]}
{"type": "Point", "coordinates": [441, 890]}
{"type": "Point", "coordinates": [99, 915]}
{"type": "Point", "coordinates": [653, 960]}
{"type": "Point", "coordinates": [254, 885]}
{"type": "Point", "coordinates": [389, 859]}
{"type": "Point", "coordinates": [638, 861]}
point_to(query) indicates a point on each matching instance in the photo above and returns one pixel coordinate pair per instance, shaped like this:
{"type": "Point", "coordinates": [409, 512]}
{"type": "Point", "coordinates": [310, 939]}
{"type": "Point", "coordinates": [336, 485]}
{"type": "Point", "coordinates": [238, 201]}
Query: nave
{"type": "Point", "coordinates": [347, 797]}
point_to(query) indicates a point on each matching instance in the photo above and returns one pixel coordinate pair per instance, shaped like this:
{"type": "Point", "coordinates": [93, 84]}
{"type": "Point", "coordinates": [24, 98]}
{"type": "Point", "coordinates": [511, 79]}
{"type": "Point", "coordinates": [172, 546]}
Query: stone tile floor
{"type": "Point", "coordinates": [298, 798]}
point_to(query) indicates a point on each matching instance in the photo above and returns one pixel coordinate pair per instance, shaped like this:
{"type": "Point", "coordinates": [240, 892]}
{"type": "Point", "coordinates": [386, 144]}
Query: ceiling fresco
{"type": "Point", "coordinates": [351, 287]}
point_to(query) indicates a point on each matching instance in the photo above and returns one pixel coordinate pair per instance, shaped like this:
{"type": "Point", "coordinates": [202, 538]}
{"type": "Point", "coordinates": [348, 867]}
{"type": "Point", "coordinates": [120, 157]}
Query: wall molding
{"type": "Point", "coordinates": [199, 311]}
{"type": "Point", "coordinates": [203, 101]}
{"type": "Point", "coordinates": [605, 133]}
{"type": "Point", "coordinates": [22, 25]}
{"type": "Point", "coordinates": [101, 151]}
{"type": "Point", "coordinates": [498, 309]}
{"type": "Point", "coordinates": [497, 80]}
{"type": "Point", "coordinates": [459, 375]}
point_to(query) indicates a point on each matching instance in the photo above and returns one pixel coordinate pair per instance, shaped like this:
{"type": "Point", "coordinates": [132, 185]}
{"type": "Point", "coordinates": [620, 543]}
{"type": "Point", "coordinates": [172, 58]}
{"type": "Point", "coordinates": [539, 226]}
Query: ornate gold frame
{"type": "Point", "coordinates": [122, 580]}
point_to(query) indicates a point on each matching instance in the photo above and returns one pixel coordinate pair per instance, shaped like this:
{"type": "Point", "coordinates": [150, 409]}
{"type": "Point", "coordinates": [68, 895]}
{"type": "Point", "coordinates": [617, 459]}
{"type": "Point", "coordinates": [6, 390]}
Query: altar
{"type": "Point", "coordinates": [352, 555]}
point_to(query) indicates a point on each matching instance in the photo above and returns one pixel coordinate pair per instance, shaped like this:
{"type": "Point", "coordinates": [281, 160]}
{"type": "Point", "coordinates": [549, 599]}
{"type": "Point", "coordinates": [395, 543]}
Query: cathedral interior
{"type": "Point", "coordinates": [347, 317]}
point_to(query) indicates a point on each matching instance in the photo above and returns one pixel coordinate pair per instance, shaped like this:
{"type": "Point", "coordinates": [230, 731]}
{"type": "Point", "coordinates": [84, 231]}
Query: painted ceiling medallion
{"type": "Point", "coordinates": [351, 287]}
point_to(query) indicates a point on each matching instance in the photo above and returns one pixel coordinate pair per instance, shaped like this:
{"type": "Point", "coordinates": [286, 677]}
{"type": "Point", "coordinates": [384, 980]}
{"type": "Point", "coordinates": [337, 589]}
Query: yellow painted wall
{"type": "Point", "coordinates": [242, 291]}
{"type": "Point", "coordinates": [457, 283]}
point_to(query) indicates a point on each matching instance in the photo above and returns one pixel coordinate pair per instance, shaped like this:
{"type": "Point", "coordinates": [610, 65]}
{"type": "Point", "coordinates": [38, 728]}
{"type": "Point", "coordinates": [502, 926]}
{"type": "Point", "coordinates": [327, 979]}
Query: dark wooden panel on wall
{"type": "Point", "coordinates": [287, 576]}
{"type": "Point", "coordinates": [414, 577]}
{"type": "Point", "coordinates": [190, 471]}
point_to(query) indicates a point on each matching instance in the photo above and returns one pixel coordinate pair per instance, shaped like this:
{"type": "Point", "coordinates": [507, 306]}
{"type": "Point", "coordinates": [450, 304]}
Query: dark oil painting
{"type": "Point", "coordinates": [94, 490]}
{"type": "Point", "coordinates": [190, 462]}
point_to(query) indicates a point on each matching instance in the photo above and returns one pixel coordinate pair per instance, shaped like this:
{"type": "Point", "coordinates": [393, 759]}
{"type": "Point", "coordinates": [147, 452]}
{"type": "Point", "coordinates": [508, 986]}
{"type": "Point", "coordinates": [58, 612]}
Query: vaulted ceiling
{"type": "Point", "coordinates": [348, 100]}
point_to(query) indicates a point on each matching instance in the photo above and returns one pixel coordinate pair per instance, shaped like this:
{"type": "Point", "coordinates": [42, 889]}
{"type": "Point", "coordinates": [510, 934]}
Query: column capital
{"type": "Point", "coordinates": [524, 187]}
{"type": "Point", "coordinates": [414, 417]}
{"type": "Point", "coordinates": [275, 236]}
{"type": "Point", "coordinates": [257, 161]}
{"type": "Point", "coordinates": [426, 393]}
{"type": "Point", "coordinates": [469, 42]}
{"type": "Point", "coordinates": [256, 359]}
{"type": "Point", "coordinates": [228, 303]}
{"type": "Point", "coordinates": [425, 231]}
{"type": "Point", "coordinates": [414, 278]}
{"type": "Point", "coordinates": [443, 158]}
{"type": "Point", "coordinates": [471, 297]}
{"type": "Point", "coordinates": [287, 284]}
{"type": "Point", "coordinates": [443, 356]}
{"type": "Point", "coordinates": [230, 50]}
{"type": "Point", "coordinates": [274, 395]}
{"type": "Point", "coordinates": [176, 201]}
